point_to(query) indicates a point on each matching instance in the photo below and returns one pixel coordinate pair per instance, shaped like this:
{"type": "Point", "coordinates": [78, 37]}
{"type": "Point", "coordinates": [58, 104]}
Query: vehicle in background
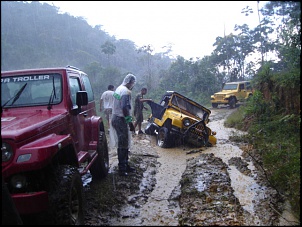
{"type": "Point", "coordinates": [232, 93]}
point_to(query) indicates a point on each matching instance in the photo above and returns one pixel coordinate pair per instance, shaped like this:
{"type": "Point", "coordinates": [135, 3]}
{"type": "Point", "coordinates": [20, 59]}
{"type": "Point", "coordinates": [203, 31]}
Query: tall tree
{"type": "Point", "coordinates": [108, 48]}
{"type": "Point", "coordinates": [147, 49]}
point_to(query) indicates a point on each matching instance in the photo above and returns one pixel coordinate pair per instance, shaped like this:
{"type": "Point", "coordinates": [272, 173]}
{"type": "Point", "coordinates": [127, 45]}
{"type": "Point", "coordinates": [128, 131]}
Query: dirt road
{"type": "Point", "coordinates": [219, 185]}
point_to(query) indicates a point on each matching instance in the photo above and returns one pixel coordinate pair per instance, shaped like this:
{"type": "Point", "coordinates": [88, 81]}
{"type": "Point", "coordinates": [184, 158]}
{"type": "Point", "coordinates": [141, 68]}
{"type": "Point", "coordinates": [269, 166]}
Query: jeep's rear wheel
{"type": "Point", "coordinates": [214, 105]}
{"type": "Point", "coordinates": [232, 103]}
{"type": "Point", "coordinates": [100, 167]}
{"type": "Point", "coordinates": [66, 196]}
{"type": "Point", "coordinates": [163, 138]}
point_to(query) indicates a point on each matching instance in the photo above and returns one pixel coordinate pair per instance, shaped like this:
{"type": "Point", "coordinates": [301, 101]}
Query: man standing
{"type": "Point", "coordinates": [106, 102]}
{"type": "Point", "coordinates": [122, 123]}
{"type": "Point", "coordinates": [138, 109]}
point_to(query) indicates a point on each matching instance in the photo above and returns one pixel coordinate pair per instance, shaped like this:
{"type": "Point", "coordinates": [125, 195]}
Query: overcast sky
{"type": "Point", "coordinates": [191, 27]}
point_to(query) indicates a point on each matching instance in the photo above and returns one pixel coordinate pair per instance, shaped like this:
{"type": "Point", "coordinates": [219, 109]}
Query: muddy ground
{"type": "Point", "coordinates": [220, 185]}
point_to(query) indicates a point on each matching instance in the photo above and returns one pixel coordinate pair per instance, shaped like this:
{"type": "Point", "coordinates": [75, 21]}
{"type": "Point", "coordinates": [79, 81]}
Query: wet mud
{"type": "Point", "coordinates": [218, 185]}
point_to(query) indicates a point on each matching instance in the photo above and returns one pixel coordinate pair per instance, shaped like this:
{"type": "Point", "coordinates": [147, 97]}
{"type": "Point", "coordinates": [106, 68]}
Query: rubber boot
{"type": "Point", "coordinates": [122, 161]}
{"type": "Point", "coordinates": [129, 168]}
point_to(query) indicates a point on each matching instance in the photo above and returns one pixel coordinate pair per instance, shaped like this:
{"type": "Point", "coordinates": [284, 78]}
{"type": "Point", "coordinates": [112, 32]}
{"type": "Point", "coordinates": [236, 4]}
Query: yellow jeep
{"type": "Point", "coordinates": [178, 120]}
{"type": "Point", "coordinates": [232, 93]}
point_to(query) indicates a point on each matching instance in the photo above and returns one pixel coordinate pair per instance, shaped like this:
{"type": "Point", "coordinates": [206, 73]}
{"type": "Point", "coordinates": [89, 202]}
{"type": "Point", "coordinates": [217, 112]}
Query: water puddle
{"type": "Point", "coordinates": [161, 206]}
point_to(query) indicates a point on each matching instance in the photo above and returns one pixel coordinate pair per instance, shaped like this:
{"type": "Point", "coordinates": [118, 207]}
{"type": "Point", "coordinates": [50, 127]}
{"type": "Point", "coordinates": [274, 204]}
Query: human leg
{"type": "Point", "coordinates": [106, 112]}
{"type": "Point", "coordinates": [139, 122]}
{"type": "Point", "coordinates": [134, 125]}
{"type": "Point", "coordinates": [109, 117]}
{"type": "Point", "coordinates": [129, 168]}
{"type": "Point", "coordinates": [121, 127]}
{"type": "Point", "coordinates": [122, 161]}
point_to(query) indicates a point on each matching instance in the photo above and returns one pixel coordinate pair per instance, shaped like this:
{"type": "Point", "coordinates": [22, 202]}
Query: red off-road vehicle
{"type": "Point", "coordinates": [50, 136]}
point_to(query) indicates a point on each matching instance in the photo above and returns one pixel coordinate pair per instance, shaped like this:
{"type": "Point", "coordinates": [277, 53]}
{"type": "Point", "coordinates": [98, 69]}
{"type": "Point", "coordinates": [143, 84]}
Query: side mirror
{"type": "Point", "coordinates": [82, 98]}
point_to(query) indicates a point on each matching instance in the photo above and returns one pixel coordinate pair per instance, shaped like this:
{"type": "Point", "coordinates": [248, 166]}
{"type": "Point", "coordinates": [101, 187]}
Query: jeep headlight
{"type": "Point", "coordinates": [187, 122]}
{"type": "Point", "coordinates": [7, 152]}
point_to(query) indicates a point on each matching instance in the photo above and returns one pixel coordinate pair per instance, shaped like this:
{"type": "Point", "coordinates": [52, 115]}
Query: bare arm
{"type": "Point", "coordinates": [145, 100]}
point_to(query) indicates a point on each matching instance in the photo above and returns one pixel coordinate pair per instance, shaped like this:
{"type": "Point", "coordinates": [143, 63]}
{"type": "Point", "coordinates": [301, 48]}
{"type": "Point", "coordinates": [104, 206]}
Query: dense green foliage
{"type": "Point", "coordinates": [272, 116]}
{"type": "Point", "coordinates": [37, 35]}
{"type": "Point", "coordinates": [276, 138]}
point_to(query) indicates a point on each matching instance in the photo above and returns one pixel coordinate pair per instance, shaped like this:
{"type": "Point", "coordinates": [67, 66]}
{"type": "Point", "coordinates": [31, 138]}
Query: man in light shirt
{"type": "Point", "coordinates": [106, 103]}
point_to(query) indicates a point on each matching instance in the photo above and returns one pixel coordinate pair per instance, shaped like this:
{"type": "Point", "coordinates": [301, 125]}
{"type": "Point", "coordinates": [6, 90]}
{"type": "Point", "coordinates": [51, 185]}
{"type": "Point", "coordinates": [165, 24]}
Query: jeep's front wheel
{"type": "Point", "coordinates": [232, 102]}
{"type": "Point", "coordinates": [66, 196]}
{"type": "Point", "coordinates": [100, 167]}
{"type": "Point", "coordinates": [150, 128]}
{"type": "Point", "coordinates": [163, 138]}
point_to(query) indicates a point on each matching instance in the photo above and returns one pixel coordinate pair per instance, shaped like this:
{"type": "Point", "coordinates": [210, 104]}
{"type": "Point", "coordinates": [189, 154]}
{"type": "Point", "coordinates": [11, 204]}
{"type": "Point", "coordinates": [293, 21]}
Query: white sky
{"type": "Point", "coordinates": [191, 27]}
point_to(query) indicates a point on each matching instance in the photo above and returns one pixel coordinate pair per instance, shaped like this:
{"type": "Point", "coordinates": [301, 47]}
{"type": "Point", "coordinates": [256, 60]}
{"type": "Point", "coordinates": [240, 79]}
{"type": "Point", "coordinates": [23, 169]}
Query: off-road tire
{"type": "Point", "coordinates": [150, 128]}
{"type": "Point", "coordinates": [66, 196]}
{"type": "Point", "coordinates": [100, 167]}
{"type": "Point", "coordinates": [232, 102]}
{"type": "Point", "coordinates": [163, 138]}
{"type": "Point", "coordinates": [214, 105]}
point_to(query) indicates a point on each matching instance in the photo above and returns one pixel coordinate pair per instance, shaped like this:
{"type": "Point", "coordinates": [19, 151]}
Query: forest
{"type": "Point", "coordinates": [35, 35]}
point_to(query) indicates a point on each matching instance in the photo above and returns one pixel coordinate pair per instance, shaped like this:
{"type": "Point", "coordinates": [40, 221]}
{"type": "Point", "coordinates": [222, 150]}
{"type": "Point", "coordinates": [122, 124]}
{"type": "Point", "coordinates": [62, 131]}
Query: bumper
{"type": "Point", "coordinates": [212, 140]}
{"type": "Point", "coordinates": [220, 101]}
{"type": "Point", "coordinates": [29, 203]}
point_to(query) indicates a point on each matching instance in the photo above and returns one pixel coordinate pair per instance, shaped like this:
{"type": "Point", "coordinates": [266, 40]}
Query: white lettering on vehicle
{"type": "Point", "coordinates": [7, 118]}
{"type": "Point", "coordinates": [25, 78]}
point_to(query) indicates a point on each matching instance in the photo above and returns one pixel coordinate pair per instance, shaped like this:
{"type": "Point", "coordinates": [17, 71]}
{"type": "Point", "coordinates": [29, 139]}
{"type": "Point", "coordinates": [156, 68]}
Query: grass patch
{"type": "Point", "coordinates": [235, 120]}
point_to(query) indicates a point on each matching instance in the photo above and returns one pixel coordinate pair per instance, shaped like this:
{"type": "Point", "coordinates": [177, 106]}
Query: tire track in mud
{"type": "Point", "coordinates": [180, 186]}
{"type": "Point", "coordinates": [160, 209]}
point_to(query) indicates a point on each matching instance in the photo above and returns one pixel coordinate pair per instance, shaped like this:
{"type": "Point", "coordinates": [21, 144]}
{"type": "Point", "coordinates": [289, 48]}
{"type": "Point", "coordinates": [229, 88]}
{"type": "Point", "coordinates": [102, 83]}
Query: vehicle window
{"type": "Point", "coordinates": [187, 106]}
{"type": "Point", "coordinates": [74, 84]}
{"type": "Point", "coordinates": [230, 87]}
{"type": "Point", "coordinates": [36, 89]}
{"type": "Point", "coordinates": [241, 86]}
{"type": "Point", "coordinates": [88, 88]}
{"type": "Point", "coordinates": [248, 86]}
{"type": "Point", "coordinates": [165, 100]}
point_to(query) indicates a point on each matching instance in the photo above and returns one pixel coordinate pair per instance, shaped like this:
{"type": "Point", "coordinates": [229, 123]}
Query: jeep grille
{"type": "Point", "coordinates": [198, 129]}
{"type": "Point", "coordinates": [219, 97]}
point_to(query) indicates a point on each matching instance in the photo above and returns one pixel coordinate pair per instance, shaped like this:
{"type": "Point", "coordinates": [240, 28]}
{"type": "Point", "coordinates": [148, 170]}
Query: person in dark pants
{"type": "Point", "coordinates": [138, 109]}
{"type": "Point", "coordinates": [122, 123]}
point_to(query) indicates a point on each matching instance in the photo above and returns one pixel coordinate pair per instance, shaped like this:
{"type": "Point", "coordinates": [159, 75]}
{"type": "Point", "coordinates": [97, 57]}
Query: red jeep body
{"type": "Point", "coordinates": [51, 136]}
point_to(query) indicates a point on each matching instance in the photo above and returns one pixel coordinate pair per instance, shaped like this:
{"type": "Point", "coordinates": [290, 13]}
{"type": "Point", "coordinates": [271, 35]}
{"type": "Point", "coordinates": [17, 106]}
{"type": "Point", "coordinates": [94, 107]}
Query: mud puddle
{"type": "Point", "coordinates": [159, 209]}
{"type": "Point", "coordinates": [182, 186]}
